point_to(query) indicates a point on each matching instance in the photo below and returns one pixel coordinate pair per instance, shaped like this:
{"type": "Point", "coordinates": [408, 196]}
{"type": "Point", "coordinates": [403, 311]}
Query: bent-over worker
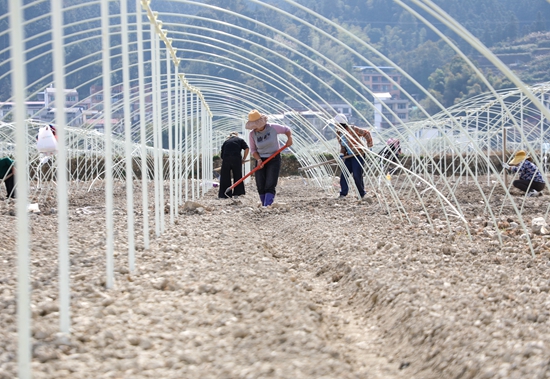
{"type": "Point", "coordinates": [232, 163]}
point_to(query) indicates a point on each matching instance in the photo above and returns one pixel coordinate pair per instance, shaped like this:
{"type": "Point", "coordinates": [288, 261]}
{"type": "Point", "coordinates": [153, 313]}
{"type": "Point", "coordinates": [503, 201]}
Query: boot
{"type": "Point", "coordinates": [269, 197]}
{"type": "Point", "coordinates": [262, 199]}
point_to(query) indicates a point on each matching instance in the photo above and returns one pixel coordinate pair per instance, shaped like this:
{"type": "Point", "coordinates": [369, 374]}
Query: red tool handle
{"type": "Point", "coordinates": [254, 170]}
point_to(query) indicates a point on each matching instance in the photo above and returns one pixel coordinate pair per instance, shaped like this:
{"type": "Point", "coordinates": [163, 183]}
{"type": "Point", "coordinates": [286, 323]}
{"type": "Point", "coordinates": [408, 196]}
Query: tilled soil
{"type": "Point", "coordinates": [312, 287]}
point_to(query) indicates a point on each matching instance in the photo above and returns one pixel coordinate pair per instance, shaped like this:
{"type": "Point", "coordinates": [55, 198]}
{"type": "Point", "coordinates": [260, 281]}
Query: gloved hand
{"type": "Point", "coordinates": [506, 166]}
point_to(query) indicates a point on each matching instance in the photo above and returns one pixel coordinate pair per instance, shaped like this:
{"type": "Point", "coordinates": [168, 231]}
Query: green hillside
{"type": "Point", "coordinates": [516, 30]}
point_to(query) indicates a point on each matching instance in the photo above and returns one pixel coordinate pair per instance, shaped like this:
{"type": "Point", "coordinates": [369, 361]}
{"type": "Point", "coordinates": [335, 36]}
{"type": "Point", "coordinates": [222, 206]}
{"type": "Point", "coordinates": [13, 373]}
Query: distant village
{"type": "Point", "coordinates": [88, 112]}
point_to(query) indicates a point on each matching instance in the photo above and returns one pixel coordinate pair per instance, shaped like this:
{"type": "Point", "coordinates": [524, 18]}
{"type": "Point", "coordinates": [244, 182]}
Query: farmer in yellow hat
{"type": "Point", "coordinates": [263, 143]}
{"type": "Point", "coordinates": [530, 178]}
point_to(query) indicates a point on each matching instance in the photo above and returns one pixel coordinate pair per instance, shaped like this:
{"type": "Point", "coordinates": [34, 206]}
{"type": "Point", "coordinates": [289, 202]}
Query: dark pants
{"type": "Point", "coordinates": [10, 186]}
{"type": "Point", "coordinates": [235, 166]}
{"type": "Point", "coordinates": [527, 185]}
{"type": "Point", "coordinates": [355, 166]}
{"type": "Point", "coordinates": [267, 177]}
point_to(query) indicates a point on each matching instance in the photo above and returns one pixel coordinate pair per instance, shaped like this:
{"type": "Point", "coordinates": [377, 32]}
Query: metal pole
{"type": "Point", "coordinates": [488, 150]}
{"type": "Point", "coordinates": [186, 171]}
{"type": "Point", "coordinates": [128, 135]}
{"type": "Point", "coordinates": [541, 126]}
{"type": "Point", "coordinates": [198, 150]}
{"type": "Point", "coordinates": [192, 149]}
{"type": "Point", "coordinates": [177, 146]}
{"type": "Point", "coordinates": [504, 154]}
{"type": "Point", "coordinates": [106, 63]}
{"type": "Point", "coordinates": [170, 137]}
{"type": "Point", "coordinates": [155, 90]}
{"type": "Point", "coordinates": [143, 136]}
{"type": "Point", "coordinates": [205, 151]}
{"type": "Point", "coordinates": [62, 188]}
{"type": "Point", "coordinates": [159, 131]}
{"type": "Point", "coordinates": [23, 271]}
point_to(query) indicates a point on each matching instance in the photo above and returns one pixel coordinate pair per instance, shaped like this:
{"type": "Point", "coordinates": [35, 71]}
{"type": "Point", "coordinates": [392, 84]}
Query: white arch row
{"type": "Point", "coordinates": [311, 159]}
{"type": "Point", "coordinates": [314, 161]}
{"type": "Point", "coordinates": [306, 159]}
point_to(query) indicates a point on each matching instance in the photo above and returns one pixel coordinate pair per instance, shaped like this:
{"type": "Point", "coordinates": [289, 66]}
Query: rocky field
{"type": "Point", "coordinates": [312, 287]}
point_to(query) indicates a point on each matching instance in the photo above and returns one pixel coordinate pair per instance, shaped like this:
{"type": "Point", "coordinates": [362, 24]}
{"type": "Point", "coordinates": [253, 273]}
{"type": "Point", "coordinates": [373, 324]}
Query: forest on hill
{"type": "Point", "coordinates": [516, 30]}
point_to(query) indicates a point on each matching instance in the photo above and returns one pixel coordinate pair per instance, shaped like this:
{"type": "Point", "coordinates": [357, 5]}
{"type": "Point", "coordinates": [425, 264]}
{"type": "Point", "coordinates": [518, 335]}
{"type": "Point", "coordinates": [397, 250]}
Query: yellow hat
{"type": "Point", "coordinates": [255, 120]}
{"type": "Point", "coordinates": [519, 157]}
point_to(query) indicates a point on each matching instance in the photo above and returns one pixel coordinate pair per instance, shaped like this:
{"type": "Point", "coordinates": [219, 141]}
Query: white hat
{"type": "Point", "coordinates": [340, 119]}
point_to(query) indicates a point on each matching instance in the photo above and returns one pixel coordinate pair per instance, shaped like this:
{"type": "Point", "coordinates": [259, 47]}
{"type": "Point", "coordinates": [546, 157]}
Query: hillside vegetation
{"type": "Point", "coordinates": [516, 30]}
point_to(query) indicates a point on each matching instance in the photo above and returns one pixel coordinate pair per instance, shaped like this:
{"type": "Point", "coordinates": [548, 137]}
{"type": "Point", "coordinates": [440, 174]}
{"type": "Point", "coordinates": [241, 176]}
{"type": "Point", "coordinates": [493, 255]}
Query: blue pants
{"type": "Point", "coordinates": [267, 177]}
{"type": "Point", "coordinates": [355, 166]}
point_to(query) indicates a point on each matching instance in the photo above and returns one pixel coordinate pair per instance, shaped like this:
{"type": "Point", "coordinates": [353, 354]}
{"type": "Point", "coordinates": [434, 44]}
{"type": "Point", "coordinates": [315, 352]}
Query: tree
{"type": "Point", "coordinates": [540, 23]}
{"type": "Point", "coordinates": [512, 28]}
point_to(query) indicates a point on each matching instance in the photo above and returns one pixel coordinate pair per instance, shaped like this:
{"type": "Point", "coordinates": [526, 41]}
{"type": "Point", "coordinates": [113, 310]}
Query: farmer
{"type": "Point", "coordinates": [232, 163]}
{"type": "Point", "coordinates": [530, 179]}
{"type": "Point", "coordinates": [54, 132]}
{"type": "Point", "coordinates": [391, 152]}
{"type": "Point", "coordinates": [351, 143]}
{"type": "Point", "coordinates": [7, 175]}
{"type": "Point", "coordinates": [263, 143]}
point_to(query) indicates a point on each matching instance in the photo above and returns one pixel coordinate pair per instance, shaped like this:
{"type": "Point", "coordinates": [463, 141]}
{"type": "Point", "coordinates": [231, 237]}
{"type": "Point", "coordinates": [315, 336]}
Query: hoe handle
{"type": "Point", "coordinates": [254, 170]}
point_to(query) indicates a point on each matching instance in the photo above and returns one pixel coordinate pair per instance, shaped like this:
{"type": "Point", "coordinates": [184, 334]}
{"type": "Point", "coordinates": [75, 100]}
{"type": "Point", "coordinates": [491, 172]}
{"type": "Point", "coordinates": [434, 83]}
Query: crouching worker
{"type": "Point", "coordinates": [530, 178]}
{"type": "Point", "coordinates": [7, 175]}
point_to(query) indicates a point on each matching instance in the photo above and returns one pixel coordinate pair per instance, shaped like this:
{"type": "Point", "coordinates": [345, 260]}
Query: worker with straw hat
{"type": "Point", "coordinates": [264, 144]}
{"type": "Point", "coordinates": [530, 178]}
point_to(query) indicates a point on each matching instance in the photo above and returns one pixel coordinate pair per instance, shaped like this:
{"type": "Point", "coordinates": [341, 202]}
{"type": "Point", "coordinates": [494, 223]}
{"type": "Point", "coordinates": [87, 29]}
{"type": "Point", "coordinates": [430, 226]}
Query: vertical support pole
{"type": "Point", "coordinates": [198, 140]}
{"type": "Point", "coordinates": [453, 150]}
{"type": "Point", "coordinates": [541, 128]}
{"type": "Point", "coordinates": [204, 153]}
{"type": "Point", "coordinates": [170, 136]}
{"type": "Point", "coordinates": [106, 62]}
{"type": "Point", "coordinates": [143, 134]}
{"type": "Point", "coordinates": [246, 133]}
{"type": "Point", "coordinates": [155, 79]}
{"type": "Point", "coordinates": [477, 141]}
{"type": "Point", "coordinates": [62, 188]}
{"type": "Point", "coordinates": [186, 113]}
{"type": "Point", "coordinates": [211, 151]}
{"type": "Point", "coordinates": [160, 149]}
{"type": "Point", "coordinates": [467, 152]}
{"type": "Point", "coordinates": [177, 137]}
{"type": "Point", "coordinates": [504, 154]}
{"type": "Point", "coordinates": [488, 149]}
{"type": "Point", "coordinates": [17, 45]}
{"type": "Point", "coordinates": [128, 148]}
{"type": "Point", "coordinates": [521, 123]}
{"type": "Point", "coordinates": [192, 119]}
